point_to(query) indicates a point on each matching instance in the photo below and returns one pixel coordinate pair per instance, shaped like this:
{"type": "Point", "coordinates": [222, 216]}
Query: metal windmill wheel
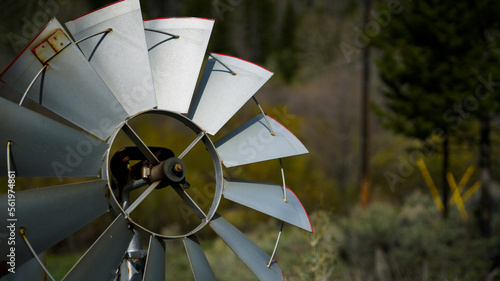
{"type": "Point", "coordinates": [110, 69]}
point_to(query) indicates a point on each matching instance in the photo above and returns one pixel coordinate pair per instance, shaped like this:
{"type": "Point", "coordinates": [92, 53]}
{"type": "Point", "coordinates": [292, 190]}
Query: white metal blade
{"type": "Point", "coordinates": [197, 259]}
{"type": "Point", "coordinates": [268, 199]}
{"type": "Point", "coordinates": [253, 256]}
{"type": "Point", "coordinates": [176, 63]}
{"type": "Point", "coordinates": [155, 261]}
{"type": "Point", "coordinates": [42, 147]}
{"type": "Point", "coordinates": [49, 215]}
{"type": "Point", "coordinates": [102, 260]}
{"type": "Point", "coordinates": [69, 86]}
{"type": "Point", "coordinates": [252, 142]}
{"type": "Point", "coordinates": [121, 57]}
{"type": "Point", "coordinates": [221, 94]}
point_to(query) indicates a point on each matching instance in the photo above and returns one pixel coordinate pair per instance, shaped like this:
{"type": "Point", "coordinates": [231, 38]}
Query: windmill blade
{"type": "Point", "coordinates": [252, 142]}
{"type": "Point", "coordinates": [120, 57]}
{"type": "Point", "coordinates": [268, 199]}
{"type": "Point", "coordinates": [253, 256]}
{"type": "Point", "coordinates": [69, 86]}
{"type": "Point", "coordinates": [49, 215]}
{"type": "Point", "coordinates": [102, 260]}
{"type": "Point", "coordinates": [31, 270]}
{"type": "Point", "coordinates": [42, 147]}
{"type": "Point", "coordinates": [199, 263]}
{"type": "Point", "coordinates": [226, 85]}
{"type": "Point", "coordinates": [155, 262]}
{"type": "Point", "coordinates": [176, 62]}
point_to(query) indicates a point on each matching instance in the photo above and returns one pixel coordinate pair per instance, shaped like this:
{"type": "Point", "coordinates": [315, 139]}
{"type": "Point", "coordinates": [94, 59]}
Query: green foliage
{"type": "Point", "coordinates": [319, 261]}
{"type": "Point", "coordinates": [432, 54]}
{"type": "Point", "coordinates": [412, 242]}
{"type": "Point", "coordinates": [59, 265]}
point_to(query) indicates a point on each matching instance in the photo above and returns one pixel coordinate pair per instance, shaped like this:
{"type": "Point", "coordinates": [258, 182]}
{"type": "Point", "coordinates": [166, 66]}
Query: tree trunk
{"type": "Point", "coordinates": [484, 166]}
{"type": "Point", "coordinates": [446, 186]}
{"type": "Point", "coordinates": [365, 119]}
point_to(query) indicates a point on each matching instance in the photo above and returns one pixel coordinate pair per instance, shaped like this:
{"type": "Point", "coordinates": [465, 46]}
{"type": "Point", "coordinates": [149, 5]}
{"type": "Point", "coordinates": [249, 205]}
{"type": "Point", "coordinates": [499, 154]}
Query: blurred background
{"type": "Point", "coordinates": [398, 104]}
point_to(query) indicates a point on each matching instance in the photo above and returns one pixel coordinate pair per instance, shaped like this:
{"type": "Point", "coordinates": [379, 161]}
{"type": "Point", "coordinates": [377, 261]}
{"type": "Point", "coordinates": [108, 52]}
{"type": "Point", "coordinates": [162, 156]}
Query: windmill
{"type": "Point", "coordinates": [110, 69]}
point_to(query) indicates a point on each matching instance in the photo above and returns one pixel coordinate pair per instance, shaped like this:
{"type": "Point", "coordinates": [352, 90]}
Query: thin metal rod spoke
{"type": "Point", "coordinates": [227, 67]}
{"type": "Point", "coordinates": [265, 116]}
{"type": "Point", "coordinates": [109, 30]}
{"type": "Point", "coordinates": [45, 66]}
{"type": "Point", "coordinates": [105, 32]}
{"type": "Point", "coordinates": [276, 245]}
{"type": "Point", "coordinates": [9, 160]}
{"type": "Point", "coordinates": [163, 32]}
{"type": "Point", "coordinates": [141, 197]}
{"type": "Point", "coordinates": [190, 202]}
{"type": "Point", "coordinates": [283, 178]}
{"type": "Point", "coordinates": [198, 138]}
{"type": "Point", "coordinates": [140, 144]}
{"type": "Point", "coordinates": [21, 231]}
{"type": "Point", "coordinates": [40, 97]}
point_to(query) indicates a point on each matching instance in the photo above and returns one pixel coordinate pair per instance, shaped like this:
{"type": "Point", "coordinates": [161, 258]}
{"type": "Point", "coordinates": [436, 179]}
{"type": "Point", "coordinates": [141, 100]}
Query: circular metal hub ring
{"type": "Point", "coordinates": [215, 160]}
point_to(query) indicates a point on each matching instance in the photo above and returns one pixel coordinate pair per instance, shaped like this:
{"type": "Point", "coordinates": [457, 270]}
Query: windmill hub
{"type": "Point", "coordinates": [171, 170]}
{"type": "Point", "coordinates": [138, 172]}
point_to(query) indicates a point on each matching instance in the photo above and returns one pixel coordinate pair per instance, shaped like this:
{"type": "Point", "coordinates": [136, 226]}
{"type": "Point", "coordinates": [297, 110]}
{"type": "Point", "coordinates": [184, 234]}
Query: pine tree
{"type": "Point", "coordinates": [259, 25]}
{"type": "Point", "coordinates": [432, 55]}
{"type": "Point", "coordinates": [287, 59]}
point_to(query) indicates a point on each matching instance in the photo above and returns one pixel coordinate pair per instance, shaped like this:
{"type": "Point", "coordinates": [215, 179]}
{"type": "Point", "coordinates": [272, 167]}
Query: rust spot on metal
{"type": "Point", "coordinates": [51, 46]}
{"type": "Point", "coordinates": [58, 40]}
{"type": "Point", "coordinates": [44, 52]}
